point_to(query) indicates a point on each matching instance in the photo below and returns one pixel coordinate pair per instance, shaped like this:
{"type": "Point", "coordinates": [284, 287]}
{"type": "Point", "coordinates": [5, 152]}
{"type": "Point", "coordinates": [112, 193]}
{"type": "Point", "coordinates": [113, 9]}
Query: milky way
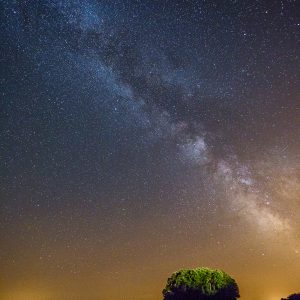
{"type": "Point", "coordinates": [140, 137]}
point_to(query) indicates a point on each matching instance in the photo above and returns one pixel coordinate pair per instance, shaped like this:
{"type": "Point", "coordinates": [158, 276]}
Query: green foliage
{"type": "Point", "coordinates": [204, 281]}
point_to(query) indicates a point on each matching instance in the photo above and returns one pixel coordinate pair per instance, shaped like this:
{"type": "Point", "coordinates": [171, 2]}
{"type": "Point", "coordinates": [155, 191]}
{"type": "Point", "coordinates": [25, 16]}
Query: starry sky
{"type": "Point", "coordinates": [141, 137]}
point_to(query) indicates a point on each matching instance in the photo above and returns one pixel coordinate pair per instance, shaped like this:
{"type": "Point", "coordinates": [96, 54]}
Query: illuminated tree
{"type": "Point", "coordinates": [200, 284]}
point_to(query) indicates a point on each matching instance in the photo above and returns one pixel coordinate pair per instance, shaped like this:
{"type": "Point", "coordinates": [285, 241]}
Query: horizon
{"type": "Point", "coordinates": [143, 137]}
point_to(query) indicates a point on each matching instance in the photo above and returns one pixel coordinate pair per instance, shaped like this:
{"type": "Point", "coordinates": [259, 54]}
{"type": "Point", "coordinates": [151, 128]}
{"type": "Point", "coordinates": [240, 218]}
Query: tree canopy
{"type": "Point", "coordinates": [200, 283]}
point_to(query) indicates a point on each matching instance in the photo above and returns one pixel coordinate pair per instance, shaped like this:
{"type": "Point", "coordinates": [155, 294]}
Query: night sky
{"type": "Point", "coordinates": [141, 137]}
